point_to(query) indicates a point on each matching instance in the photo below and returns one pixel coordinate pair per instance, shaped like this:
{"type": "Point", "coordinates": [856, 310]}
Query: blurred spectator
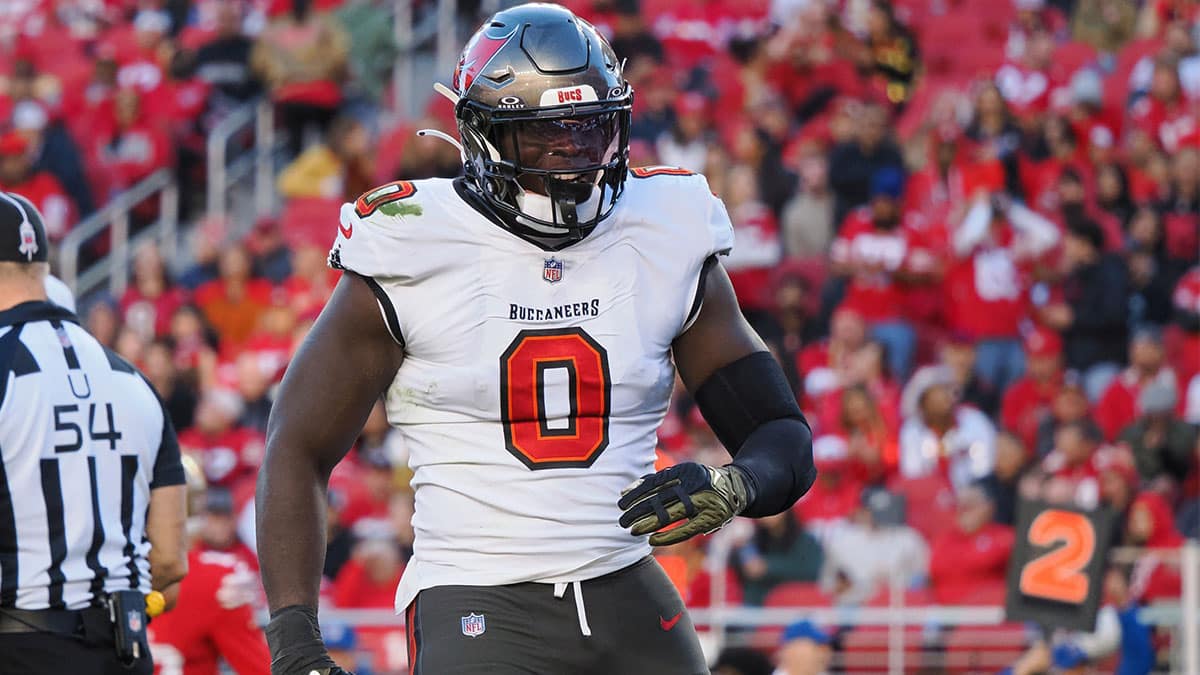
{"type": "Point", "coordinates": [854, 163]}
{"type": "Point", "coordinates": [218, 528]}
{"type": "Point", "coordinates": [228, 453]}
{"type": "Point", "coordinates": [997, 136]}
{"type": "Point", "coordinates": [1118, 406]}
{"type": "Point", "coordinates": [1152, 272]}
{"type": "Point", "coordinates": [272, 254]}
{"type": "Point", "coordinates": [224, 61]}
{"type": "Point", "coordinates": [18, 174]}
{"type": "Point", "coordinates": [253, 385]}
{"type": "Point", "coordinates": [103, 322]}
{"type": "Point", "coordinates": [759, 250]}
{"type": "Point", "coordinates": [891, 52]}
{"type": "Point", "coordinates": [804, 649]}
{"type": "Point", "coordinates": [871, 441]}
{"type": "Point", "coordinates": [269, 347]}
{"type": "Point", "coordinates": [427, 156]}
{"type": "Point", "coordinates": [1070, 404]}
{"type": "Point", "coordinates": [685, 145]}
{"type": "Point", "coordinates": [1012, 461]}
{"type": "Point", "coordinates": [1181, 205]}
{"type": "Point", "coordinates": [795, 306]}
{"type": "Point", "coordinates": [780, 551]}
{"type": "Point", "coordinates": [835, 495]}
{"type": "Point", "coordinates": [1093, 311]}
{"type": "Point", "coordinates": [151, 301]}
{"type": "Point", "coordinates": [1028, 400]}
{"type": "Point", "coordinates": [874, 550]}
{"type": "Point", "coordinates": [997, 245]}
{"type": "Point", "coordinates": [132, 147]}
{"type": "Point", "coordinates": [312, 281]}
{"type": "Point", "coordinates": [807, 220]}
{"type": "Point", "coordinates": [1162, 444]}
{"type": "Point", "coordinates": [1164, 113]}
{"type": "Point", "coordinates": [1073, 474]}
{"type": "Point", "coordinates": [961, 355]}
{"type": "Point", "coordinates": [940, 435]}
{"type": "Point", "coordinates": [301, 56]}
{"type": "Point", "coordinates": [158, 365]}
{"type": "Point", "coordinates": [1151, 526]}
{"type": "Point", "coordinates": [340, 168]}
{"type": "Point", "coordinates": [233, 302]}
{"type": "Point", "coordinates": [1185, 303]}
{"type": "Point", "coordinates": [1112, 193]}
{"type": "Point", "coordinates": [52, 149]}
{"type": "Point", "coordinates": [1104, 24]}
{"type": "Point", "coordinates": [369, 578]}
{"type": "Point", "coordinates": [880, 254]}
{"type": "Point", "coordinates": [973, 553]}
{"type": "Point", "coordinates": [825, 365]}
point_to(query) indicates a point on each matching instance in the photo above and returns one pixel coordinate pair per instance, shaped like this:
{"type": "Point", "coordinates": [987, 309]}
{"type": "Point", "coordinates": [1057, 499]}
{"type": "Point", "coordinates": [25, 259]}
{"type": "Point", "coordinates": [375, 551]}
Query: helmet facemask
{"type": "Point", "coordinates": [555, 172]}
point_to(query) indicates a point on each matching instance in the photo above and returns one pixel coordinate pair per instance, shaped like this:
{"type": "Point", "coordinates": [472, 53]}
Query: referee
{"type": "Point", "coordinates": [92, 494]}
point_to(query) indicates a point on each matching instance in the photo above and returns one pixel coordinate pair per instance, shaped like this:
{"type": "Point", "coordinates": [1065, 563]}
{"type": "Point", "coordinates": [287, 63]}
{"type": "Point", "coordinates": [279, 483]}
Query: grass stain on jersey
{"type": "Point", "coordinates": [400, 209]}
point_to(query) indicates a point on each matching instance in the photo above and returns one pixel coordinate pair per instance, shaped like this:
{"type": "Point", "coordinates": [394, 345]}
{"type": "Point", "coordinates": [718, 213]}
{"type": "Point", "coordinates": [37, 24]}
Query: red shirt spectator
{"type": "Point", "coordinates": [233, 302]}
{"type": "Point", "coordinates": [1186, 300]}
{"type": "Point", "coordinates": [825, 364]}
{"type": "Point", "coordinates": [39, 187]}
{"type": "Point", "coordinates": [1028, 401]}
{"type": "Point", "coordinates": [1117, 407]}
{"type": "Point", "coordinates": [974, 553]}
{"type": "Point", "coordinates": [878, 255]}
{"type": "Point", "coordinates": [1151, 525]}
{"type": "Point", "coordinates": [368, 580]}
{"type": "Point", "coordinates": [1163, 113]}
{"type": "Point", "coordinates": [836, 493]}
{"type": "Point", "coordinates": [151, 301]}
{"type": "Point", "coordinates": [227, 453]}
{"type": "Point", "coordinates": [987, 289]}
{"type": "Point", "coordinates": [135, 147]}
{"type": "Point", "coordinates": [1074, 473]}
{"type": "Point", "coordinates": [212, 620]}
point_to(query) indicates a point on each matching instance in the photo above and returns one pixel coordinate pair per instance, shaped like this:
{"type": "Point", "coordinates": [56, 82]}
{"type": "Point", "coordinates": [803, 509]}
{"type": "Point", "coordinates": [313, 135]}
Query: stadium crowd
{"type": "Point", "coordinates": [970, 230]}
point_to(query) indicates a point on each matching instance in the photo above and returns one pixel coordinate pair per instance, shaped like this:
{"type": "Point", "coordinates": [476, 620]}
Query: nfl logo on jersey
{"type": "Point", "coordinates": [472, 625]}
{"type": "Point", "coordinates": [552, 271]}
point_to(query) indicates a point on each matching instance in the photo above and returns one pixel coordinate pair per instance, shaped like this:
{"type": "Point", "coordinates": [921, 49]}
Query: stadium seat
{"type": "Point", "coordinates": [930, 501]}
{"type": "Point", "coordinates": [865, 649]}
{"type": "Point", "coordinates": [986, 593]}
{"type": "Point", "coordinates": [973, 649]}
{"type": "Point", "coordinates": [797, 594]}
{"type": "Point", "coordinates": [913, 597]}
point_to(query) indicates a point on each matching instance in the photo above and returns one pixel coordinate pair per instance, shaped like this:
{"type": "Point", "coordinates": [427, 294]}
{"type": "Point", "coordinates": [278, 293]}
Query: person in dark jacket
{"type": "Point", "coordinates": [1161, 443]}
{"type": "Point", "coordinates": [1093, 314]}
{"type": "Point", "coordinates": [1012, 461]}
{"type": "Point", "coordinates": [779, 551]}
{"type": "Point", "coordinates": [851, 164]}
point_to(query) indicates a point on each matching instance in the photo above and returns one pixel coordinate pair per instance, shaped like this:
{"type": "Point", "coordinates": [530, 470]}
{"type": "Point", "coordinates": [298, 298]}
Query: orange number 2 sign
{"type": "Point", "coordinates": [1059, 575]}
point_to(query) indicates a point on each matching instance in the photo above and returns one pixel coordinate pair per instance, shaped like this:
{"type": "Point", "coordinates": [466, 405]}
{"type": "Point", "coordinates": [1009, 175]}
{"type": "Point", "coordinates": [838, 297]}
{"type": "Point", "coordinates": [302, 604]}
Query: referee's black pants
{"type": "Point", "coordinates": [54, 654]}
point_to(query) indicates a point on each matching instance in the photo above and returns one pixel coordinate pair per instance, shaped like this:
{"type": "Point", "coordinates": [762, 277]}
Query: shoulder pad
{"type": "Point", "coordinates": [372, 224]}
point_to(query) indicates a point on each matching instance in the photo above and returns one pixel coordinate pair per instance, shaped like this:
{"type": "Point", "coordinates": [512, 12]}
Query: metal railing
{"type": "Point", "coordinates": [115, 217]}
{"type": "Point", "coordinates": [222, 174]}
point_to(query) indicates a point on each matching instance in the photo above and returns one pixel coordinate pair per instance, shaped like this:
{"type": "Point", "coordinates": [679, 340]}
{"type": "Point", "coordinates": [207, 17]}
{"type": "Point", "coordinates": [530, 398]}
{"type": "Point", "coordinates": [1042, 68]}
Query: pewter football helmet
{"type": "Point", "coordinates": [544, 114]}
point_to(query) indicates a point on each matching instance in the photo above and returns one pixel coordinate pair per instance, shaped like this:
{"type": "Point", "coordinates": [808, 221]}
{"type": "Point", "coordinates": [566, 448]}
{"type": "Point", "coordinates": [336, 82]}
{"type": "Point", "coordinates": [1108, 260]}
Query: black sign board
{"type": "Point", "coordinates": [1055, 576]}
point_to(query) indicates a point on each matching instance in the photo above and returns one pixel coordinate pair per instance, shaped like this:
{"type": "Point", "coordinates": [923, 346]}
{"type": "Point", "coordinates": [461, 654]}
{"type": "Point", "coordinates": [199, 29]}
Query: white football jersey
{"type": "Point", "coordinates": [533, 382]}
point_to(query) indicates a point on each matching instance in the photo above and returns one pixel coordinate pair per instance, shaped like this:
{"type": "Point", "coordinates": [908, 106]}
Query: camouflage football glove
{"type": "Point", "coordinates": [294, 637]}
{"type": "Point", "coordinates": [704, 497]}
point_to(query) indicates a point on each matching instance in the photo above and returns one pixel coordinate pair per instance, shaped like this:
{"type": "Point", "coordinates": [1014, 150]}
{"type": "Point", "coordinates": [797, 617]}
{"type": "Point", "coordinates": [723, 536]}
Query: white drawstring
{"type": "Point", "coordinates": [560, 589]}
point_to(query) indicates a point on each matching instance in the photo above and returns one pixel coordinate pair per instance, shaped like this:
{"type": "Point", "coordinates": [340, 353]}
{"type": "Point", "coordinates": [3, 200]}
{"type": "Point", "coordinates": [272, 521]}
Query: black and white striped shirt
{"type": "Point", "coordinates": [83, 441]}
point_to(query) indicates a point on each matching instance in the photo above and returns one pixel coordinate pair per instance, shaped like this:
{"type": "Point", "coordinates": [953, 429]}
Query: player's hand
{"type": "Point", "coordinates": [704, 497]}
{"type": "Point", "coordinates": [294, 637]}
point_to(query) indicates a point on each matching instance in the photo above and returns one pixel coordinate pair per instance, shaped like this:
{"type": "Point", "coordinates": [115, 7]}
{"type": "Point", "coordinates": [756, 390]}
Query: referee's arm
{"type": "Point", "coordinates": [166, 517]}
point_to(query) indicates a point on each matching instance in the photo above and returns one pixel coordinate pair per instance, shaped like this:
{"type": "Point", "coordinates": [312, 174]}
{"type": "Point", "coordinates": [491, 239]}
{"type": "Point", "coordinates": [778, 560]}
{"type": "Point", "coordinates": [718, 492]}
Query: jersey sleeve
{"type": "Point", "coordinates": [168, 466]}
{"type": "Point", "coordinates": [367, 228]}
{"type": "Point", "coordinates": [718, 241]}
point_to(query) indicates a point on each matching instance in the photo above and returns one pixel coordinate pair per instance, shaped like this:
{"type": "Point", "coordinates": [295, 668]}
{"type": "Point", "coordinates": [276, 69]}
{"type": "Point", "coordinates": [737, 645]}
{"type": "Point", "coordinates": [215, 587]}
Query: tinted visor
{"type": "Point", "coordinates": [561, 145]}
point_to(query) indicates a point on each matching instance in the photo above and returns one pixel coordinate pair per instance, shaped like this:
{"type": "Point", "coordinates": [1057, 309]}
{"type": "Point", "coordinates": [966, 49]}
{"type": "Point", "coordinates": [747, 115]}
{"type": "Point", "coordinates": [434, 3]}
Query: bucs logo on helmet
{"type": "Point", "coordinates": [477, 54]}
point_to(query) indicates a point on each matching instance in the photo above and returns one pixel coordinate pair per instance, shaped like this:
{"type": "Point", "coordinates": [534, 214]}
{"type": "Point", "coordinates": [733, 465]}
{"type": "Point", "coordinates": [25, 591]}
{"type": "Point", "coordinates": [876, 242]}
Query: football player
{"type": "Point", "coordinates": [526, 322]}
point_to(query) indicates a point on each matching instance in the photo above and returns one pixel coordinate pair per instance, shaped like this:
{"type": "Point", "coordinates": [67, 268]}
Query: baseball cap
{"type": "Point", "coordinates": [22, 234]}
{"type": "Point", "coordinates": [13, 143]}
{"type": "Point", "coordinates": [1068, 655]}
{"type": "Point", "coordinates": [888, 181]}
{"type": "Point", "coordinates": [1042, 341]}
{"type": "Point", "coordinates": [804, 630]}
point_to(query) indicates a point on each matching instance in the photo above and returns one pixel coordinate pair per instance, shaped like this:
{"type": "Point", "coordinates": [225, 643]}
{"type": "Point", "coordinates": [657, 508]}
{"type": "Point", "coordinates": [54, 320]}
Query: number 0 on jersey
{"type": "Point", "coordinates": [525, 368]}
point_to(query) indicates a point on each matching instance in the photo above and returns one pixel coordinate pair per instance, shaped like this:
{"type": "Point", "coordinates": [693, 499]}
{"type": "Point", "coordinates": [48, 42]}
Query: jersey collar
{"type": "Point", "coordinates": [36, 310]}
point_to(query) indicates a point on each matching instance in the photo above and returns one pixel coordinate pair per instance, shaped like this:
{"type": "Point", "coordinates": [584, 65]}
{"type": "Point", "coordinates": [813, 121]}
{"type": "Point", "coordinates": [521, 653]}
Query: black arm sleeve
{"type": "Point", "coordinates": [753, 412]}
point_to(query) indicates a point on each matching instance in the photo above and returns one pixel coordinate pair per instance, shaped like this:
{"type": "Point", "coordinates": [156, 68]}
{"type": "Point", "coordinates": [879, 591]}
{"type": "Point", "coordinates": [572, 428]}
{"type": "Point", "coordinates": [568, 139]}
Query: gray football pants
{"type": "Point", "coordinates": [636, 620]}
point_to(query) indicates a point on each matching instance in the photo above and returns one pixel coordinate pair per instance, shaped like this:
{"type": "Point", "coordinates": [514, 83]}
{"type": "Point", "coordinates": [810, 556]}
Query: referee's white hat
{"type": "Point", "coordinates": [22, 234]}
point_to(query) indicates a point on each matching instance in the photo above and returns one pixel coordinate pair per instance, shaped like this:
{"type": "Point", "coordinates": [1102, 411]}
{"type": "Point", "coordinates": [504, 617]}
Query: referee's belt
{"type": "Point", "coordinates": [73, 622]}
